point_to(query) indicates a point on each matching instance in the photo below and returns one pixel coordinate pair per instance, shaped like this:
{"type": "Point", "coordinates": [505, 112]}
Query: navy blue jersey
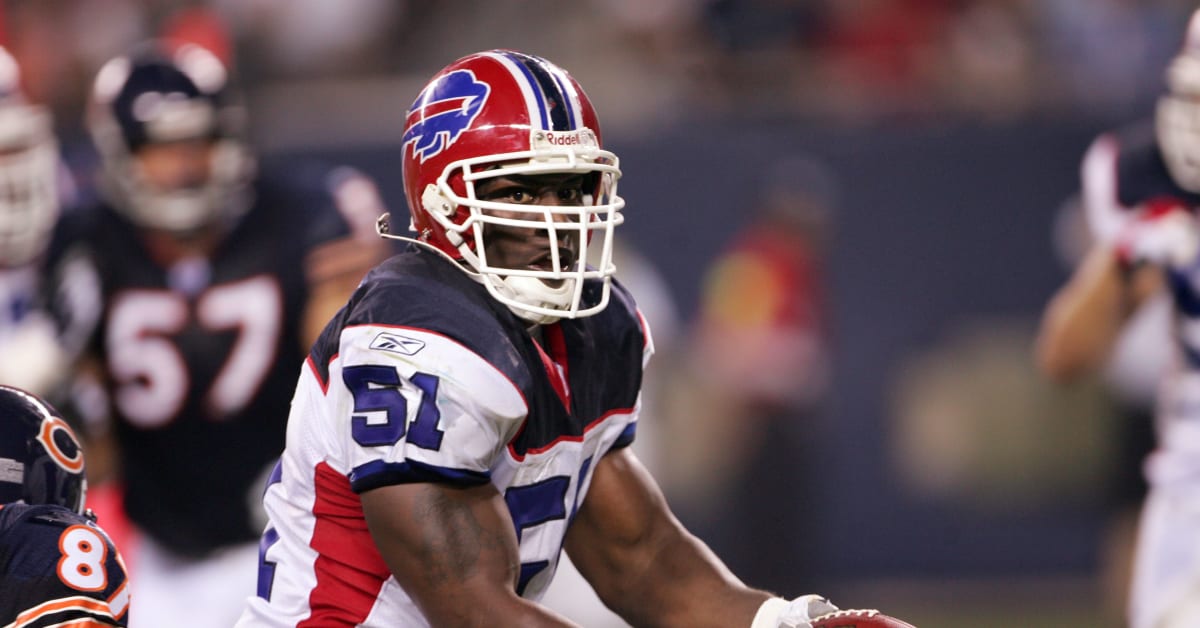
{"type": "Point", "coordinates": [201, 357]}
{"type": "Point", "coordinates": [600, 355]}
{"type": "Point", "coordinates": [57, 566]}
{"type": "Point", "coordinates": [424, 377]}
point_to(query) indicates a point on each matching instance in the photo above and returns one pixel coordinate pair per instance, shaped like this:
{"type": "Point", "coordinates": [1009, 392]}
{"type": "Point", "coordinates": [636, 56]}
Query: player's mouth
{"type": "Point", "coordinates": [545, 261]}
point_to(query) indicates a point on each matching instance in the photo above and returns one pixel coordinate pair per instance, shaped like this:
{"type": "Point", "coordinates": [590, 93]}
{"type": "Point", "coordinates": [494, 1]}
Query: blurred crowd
{"type": "Point", "coordinates": [852, 60]}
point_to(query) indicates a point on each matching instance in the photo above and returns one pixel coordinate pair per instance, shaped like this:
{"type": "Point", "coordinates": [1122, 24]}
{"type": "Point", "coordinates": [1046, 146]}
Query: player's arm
{"type": "Point", "coordinates": [1084, 318]}
{"type": "Point", "coordinates": [454, 551]}
{"type": "Point", "coordinates": [643, 563]}
{"type": "Point", "coordinates": [334, 268]}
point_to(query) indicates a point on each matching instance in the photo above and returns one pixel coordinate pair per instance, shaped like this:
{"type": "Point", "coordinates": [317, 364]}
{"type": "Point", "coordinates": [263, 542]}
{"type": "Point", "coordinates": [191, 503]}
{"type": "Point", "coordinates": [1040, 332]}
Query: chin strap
{"type": "Point", "coordinates": [383, 227]}
{"type": "Point", "coordinates": [536, 292]}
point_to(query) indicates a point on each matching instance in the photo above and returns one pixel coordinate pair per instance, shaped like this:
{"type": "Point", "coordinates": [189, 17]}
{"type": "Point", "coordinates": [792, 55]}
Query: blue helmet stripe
{"type": "Point", "coordinates": [556, 115]}
{"type": "Point", "coordinates": [565, 94]}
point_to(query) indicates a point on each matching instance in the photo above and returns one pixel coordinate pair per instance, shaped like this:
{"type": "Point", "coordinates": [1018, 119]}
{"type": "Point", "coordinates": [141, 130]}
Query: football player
{"type": "Point", "coordinates": [215, 276]}
{"type": "Point", "coordinates": [467, 415]}
{"type": "Point", "coordinates": [32, 186]}
{"type": "Point", "coordinates": [1141, 191]}
{"type": "Point", "coordinates": [57, 567]}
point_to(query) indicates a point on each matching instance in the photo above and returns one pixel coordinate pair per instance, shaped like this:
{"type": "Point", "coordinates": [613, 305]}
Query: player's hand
{"type": "Point", "coordinates": [797, 613]}
{"type": "Point", "coordinates": [802, 610]}
{"type": "Point", "coordinates": [1162, 234]}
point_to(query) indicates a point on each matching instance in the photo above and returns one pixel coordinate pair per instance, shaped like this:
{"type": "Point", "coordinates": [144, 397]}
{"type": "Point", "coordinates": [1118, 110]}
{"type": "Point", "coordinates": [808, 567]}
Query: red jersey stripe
{"type": "Point", "coordinates": [350, 572]}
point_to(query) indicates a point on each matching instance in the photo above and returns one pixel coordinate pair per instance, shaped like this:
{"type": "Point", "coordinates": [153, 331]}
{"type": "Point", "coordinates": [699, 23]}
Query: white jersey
{"type": "Point", "coordinates": [397, 391]}
{"type": "Point", "coordinates": [1124, 173]}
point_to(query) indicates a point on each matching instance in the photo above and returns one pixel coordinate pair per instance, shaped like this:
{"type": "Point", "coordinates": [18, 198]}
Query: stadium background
{"type": "Point", "coordinates": [948, 484]}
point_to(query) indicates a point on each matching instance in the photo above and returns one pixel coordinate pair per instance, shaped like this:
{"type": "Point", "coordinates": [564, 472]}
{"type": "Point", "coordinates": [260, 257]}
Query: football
{"type": "Point", "coordinates": [858, 618]}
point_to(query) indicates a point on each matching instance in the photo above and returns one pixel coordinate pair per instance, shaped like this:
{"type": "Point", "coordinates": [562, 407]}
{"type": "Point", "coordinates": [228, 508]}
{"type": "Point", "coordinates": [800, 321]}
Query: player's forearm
{"type": "Point", "coordinates": [471, 609]}
{"type": "Point", "coordinates": [685, 584]}
{"type": "Point", "coordinates": [334, 271]}
{"type": "Point", "coordinates": [643, 563]}
{"type": "Point", "coordinates": [1084, 319]}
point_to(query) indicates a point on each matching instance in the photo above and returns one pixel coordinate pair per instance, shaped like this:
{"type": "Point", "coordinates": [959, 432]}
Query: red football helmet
{"type": "Point", "coordinates": [505, 113]}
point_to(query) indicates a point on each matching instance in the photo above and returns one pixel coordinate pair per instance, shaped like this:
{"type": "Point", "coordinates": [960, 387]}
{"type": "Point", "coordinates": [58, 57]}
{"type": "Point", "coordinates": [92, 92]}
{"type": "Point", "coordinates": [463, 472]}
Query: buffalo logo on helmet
{"type": "Point", "coordinates": [443, 111]}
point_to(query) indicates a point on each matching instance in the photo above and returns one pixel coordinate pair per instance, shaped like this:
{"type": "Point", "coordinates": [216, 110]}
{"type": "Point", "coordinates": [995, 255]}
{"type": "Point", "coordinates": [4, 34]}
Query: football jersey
{"type": "Point", "coordinates": [1123, 172]}
{"type": "Point", "coordinates": [423, 377]}
{"type": "Point", "coordinates": [201, 357]}
{"type": "Point", "coordinates": [58, 567]}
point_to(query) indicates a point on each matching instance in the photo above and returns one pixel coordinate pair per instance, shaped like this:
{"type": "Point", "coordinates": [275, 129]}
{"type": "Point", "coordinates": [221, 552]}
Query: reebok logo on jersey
{"type": "Point", "coordinates": [397, 344]}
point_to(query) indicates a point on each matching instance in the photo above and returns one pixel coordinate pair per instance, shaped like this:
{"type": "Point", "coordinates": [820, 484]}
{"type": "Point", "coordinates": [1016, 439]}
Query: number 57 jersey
{"type": "Point", "coordinates": [200, 348]}
{"type": "Point", "coordinates": [423, 377]}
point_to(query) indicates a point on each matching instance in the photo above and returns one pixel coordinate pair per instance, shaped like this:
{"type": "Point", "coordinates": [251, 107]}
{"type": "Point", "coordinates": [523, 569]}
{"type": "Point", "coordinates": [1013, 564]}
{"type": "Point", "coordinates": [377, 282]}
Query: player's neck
{"type": "Point", "coordinates": [167, 249]}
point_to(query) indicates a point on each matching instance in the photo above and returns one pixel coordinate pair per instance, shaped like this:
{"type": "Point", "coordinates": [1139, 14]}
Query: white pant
{"type": "Point", "coordinates": [166, 590]}
{"type": "Point", "coordinates": [1166, 572]}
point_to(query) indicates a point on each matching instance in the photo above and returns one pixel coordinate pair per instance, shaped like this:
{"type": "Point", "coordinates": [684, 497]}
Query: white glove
{"type": "Point", "coordinates": [797, 613]}
{"type": "Point", "coordinates": [33, 359]}
{"type": "Point", "coordinates": [1166, 235]}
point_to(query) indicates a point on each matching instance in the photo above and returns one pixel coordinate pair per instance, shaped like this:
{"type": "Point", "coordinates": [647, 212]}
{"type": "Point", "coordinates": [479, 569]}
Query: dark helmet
{"type": "Point", "coordinates": [41, 461]}
{"type": "Point", "coordinates": [159, 94]}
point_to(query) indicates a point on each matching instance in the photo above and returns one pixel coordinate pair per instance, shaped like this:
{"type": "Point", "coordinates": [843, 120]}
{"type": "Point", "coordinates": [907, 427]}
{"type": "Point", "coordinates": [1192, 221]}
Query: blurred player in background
{"type": "Point", "coordinates": [215, 276]}
{"type": "Point", "coordinates": [1141, 189]}
{"type": "Point", "coordinates": [35, 346]}
{"type": "Point", "coordinates": [57, 567]}
{"type": "Point", "coordinates": [758, 373]}
{"type": "Point", "coordinates": [467, 416]}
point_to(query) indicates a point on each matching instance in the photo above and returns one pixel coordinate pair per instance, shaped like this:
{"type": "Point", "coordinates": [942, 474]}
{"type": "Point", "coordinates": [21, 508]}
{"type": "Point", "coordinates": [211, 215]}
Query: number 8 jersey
{"type": "Point", "coordinates": [423, 377]}
{"type": "Point", "coordinates": [58, 568]}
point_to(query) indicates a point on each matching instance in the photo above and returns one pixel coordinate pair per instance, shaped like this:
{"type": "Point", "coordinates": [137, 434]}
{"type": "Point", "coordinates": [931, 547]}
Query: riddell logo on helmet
{"type": "Point", "coordinates": [442, 112]}
{"type": "Point", "coordinates": [582, 137]}
{"type": "Point", "coordinates": [563, 139]}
